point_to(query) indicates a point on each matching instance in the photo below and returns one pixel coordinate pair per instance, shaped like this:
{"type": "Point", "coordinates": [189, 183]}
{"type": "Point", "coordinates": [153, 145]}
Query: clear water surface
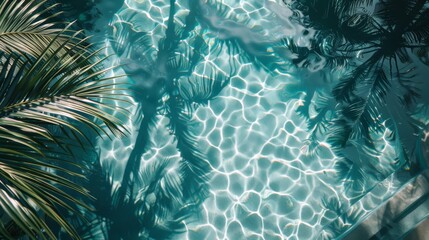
{"type": "Point", "coordinates": [265, 182]}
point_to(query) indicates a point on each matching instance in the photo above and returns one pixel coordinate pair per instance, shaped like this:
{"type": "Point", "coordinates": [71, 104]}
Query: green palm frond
{"type": "Point", "coordinates": [56, 87]}
{"type": "Point", "coordinates": [52, 88]}
{"type": "Point", "coordinates": [27, 28]}
{"type": "Point", "coordinates": [29, 186]}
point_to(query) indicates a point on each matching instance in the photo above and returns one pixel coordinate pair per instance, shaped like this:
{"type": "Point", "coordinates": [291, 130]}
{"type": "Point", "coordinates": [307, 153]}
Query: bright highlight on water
{"type": "Point", "coordinates": [255, 119]}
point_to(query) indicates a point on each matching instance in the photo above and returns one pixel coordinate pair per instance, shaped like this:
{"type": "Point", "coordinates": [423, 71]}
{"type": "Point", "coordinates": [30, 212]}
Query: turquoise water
{"type": "Point", "coordinates": [266, 178]}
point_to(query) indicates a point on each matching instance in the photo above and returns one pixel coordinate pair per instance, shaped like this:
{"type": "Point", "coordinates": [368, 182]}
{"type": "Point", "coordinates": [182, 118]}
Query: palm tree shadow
{"type": "Point", "coordinates": [153, 200]}
{"type": "Point", "coordinates": [381, 93]}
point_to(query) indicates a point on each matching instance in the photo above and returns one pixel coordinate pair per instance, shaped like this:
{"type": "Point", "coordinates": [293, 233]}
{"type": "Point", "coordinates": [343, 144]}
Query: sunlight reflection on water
{"type": "Point", "coordinates": [264, 184]}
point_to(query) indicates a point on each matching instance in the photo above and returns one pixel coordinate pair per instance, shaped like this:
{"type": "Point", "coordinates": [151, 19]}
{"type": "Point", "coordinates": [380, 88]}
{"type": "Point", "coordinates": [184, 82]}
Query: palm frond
{"type": "Point", "coordinates": [29, 185]}
{"type": "Point", "coordinates": [180, 64]}
{"type": "Point", "coordinates": [336, 228]}
{"type": "Point", "coordinates": [340, 133]}
{"type": "Point", "coordinates": [184, 59]}
{"type": "Point", "coordinates": [100, 185]}
{"type": "Point", "coordinates": [58, 86]}
{"type": "Point", "coordinates": [165, 186]}
{"type": "Point", "coordinates": [326, 51]}
{"type": "Point", "coordinates": [92, 229]}
{"type": "Point", "coordinates": [167, 228]}
{"type": "Point", "coordinates": [406, 133]}
{"type": "Point", "coordinates": [411, 91]}
{"type": "Point", "coordinates": [391, 12]}
{"type": "Point", "coordinates": [171, 208]}
{"type": "Point", "coordinates": [160, 179]}
{"type": "Point", "coordinates": [51, 88]}
{"type": "Point", "coordinates": [321, 15]}
{"type": "Point", "coordinates": [297, 53]}
{"type": "Point", "coordinates": [319, 121]}
{"type": "Point", "coordinates": [343, 91]}
{"type": "Point", "coordinates": [123, 221]}
{"type": "Point", "coordinates": [25, 29]}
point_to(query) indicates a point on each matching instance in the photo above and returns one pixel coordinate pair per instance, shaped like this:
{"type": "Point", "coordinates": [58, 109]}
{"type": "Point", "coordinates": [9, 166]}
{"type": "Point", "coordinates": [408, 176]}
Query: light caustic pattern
{"type": "Point", "coordinates": [263, 187]}
{"type": "Point", "coordinates": [263, 184]}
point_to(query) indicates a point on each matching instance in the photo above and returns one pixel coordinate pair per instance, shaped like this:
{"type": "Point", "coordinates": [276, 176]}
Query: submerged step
{"type": "Point", "coordinates": [365, 206]}
{"type": "Point", "coordinates": [399, 214]}
{"type": "Point", "coordinates": [421, 231]}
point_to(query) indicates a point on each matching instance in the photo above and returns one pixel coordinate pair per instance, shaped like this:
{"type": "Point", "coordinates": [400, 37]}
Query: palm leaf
{"type": "Point", "coordinates": [319, 121]}
{"type": "Point", "coordinates": [50, 89]}
{"type": "Point", "coordinates": [29, 185]}
{"type": "Point", "coordinates": [167, 228]}
{"type": "Point", "coordinates": [57, 87]}
{"type": "Point", "coordinates": [24, 28]}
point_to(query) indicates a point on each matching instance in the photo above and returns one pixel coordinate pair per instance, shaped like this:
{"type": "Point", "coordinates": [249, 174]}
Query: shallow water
{"type": "Point", "coordinates": [264, 181]}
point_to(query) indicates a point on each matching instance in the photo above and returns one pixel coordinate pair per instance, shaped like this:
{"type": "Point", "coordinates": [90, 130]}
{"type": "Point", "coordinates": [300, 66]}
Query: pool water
{"type": "Point", "coordinates": [263, 176]}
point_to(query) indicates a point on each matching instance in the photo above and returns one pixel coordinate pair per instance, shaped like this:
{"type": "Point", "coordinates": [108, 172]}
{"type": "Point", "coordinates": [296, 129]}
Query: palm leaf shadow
{"type": "Point", "coordinates": [164, 85]}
